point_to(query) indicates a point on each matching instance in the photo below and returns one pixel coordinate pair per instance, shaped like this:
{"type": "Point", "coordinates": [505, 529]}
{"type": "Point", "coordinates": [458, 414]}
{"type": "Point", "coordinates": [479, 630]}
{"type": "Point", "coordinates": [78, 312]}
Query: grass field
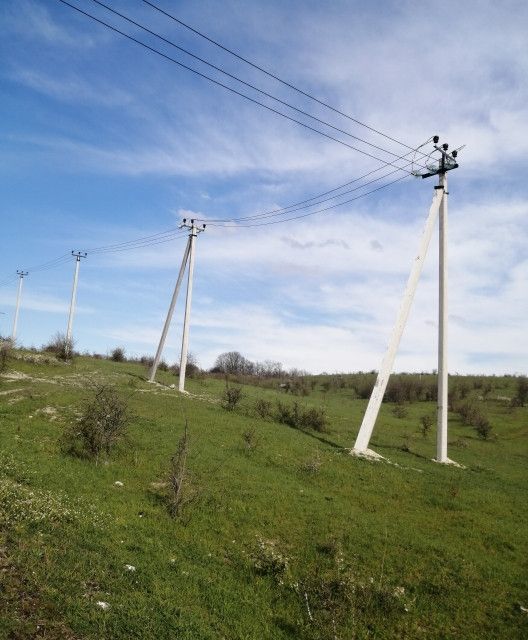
{"type": "Point", "coordinates": [287, 536]}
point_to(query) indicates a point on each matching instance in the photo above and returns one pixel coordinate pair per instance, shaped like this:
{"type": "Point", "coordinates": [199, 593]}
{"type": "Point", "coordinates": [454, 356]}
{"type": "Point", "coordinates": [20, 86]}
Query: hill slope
{"type": "Point", "coordinates": [285, 535]}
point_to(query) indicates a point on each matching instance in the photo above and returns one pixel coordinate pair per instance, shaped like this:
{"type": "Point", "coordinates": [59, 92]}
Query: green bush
{"type": "Point", "coordinates": [263, 408]}
{"type": "Point", "coordinates": [426, 422]}
{"type": "Point", "coordinates": [301, 418]}
{"type": "Point", "coordinates": [231, 397]}
{"type": "Point", "coordinates": [103, 423]}
{"type": "Point", "coordinates": [473, 416]}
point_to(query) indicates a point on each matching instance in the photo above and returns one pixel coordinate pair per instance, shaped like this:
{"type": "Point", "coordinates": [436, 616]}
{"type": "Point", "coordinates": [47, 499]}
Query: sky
{"type": "Point", "coordinates": [104, 142]}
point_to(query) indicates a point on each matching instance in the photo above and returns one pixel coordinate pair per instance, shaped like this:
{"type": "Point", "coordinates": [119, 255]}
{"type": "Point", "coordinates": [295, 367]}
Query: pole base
{"type": "Point", "coordinates": [366, 454]}
{"type": "Point", "coordinates": [448, 461]}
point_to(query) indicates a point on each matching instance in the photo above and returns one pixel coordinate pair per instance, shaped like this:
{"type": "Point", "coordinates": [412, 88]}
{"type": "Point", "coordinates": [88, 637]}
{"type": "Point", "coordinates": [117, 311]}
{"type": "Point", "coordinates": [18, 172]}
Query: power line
{"type": "Point", "coordinates": [292, 208]}
{"type": "Point", "coordinates": [167, 236]}
{"type": "Point", "coordinates": [142, 245]}
{"type": "Point", "coordinates": [50, 263]}
{"type": "Point", "coordinates": [109, 248]}
{"type": "Point", "coordinates": [311, 213]}
{"type": "Point", "coordinates": [4, 283]}
{"type": "Point", "coordinates": [247, 84]}
{"type": "Point", "coordinates": [221, 84]}
{"type": "Point", "coordinates": [272, 75]}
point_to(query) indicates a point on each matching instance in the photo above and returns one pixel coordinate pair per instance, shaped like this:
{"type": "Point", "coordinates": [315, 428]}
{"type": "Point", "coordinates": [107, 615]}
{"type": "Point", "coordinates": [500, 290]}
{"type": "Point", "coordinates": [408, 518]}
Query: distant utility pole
{"type": "Point", "coordinates": [21, 275]}
{"type": "Point", "coordinates": [77, 255]}
{"type": "Point", "coordinates": [194, 231]}
{"type": "Point", "coordinates": [446, 163]}
{"type": "Point", "coordinates": [188, 256]}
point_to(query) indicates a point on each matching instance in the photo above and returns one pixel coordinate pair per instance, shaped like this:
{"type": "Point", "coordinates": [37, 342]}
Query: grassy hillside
{"type": "Point", "coordinates": [286, 535]}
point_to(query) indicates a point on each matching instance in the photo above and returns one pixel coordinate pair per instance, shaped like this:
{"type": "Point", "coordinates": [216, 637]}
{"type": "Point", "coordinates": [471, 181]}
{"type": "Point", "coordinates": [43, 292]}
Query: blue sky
{"type": "Point", "coordinates": [103, 142]}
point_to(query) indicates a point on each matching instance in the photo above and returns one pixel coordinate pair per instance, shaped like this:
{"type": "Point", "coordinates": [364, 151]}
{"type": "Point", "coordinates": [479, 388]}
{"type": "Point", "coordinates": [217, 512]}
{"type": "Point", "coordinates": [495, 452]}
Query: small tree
{"type": "Point", "coordinates": [233, 362]}
{"type": "Point", "coordinates": [118, 354]}
{"type": "Point", "coordinates": [426, 422]}
{"type": "Point", "coordinates": [180, 492]}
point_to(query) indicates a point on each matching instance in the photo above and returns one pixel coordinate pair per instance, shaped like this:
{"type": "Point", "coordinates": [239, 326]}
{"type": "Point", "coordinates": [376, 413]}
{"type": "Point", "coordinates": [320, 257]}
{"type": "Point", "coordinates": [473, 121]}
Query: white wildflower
{"type": "Point", "coordinates": [103, 605]}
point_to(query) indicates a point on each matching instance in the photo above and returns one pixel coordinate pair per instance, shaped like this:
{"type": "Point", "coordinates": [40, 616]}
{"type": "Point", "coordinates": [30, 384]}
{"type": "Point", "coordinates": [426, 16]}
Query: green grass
{"type": "Point", "coordinates": [354, 532]}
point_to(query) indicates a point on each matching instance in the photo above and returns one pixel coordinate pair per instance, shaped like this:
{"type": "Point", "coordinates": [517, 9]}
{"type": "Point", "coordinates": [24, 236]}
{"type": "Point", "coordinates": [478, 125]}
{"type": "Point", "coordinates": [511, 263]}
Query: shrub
{"type": "Point", "coordinates": [287, 414]}
{"type": "Point", "coordinates": [231, 397]}
{"type": "Point", "coordinates": [400, 411]}
{"type": "Point", "coordinates": [6, 354]}
{"type": "Point", "coordinates": [314, 419]}
{"type": "Point", "coordinates": [61, 347]}
{"type": "Point", "coordinates": [103, 422]}
{"type": "Point", "coordinates": [180, 492]}
{"type": "Point", "coordinates": [118, 354]}
{"type": "Point", "coordinates": [521, 395]}
{"type": "Point", "coordinates": [426, 422]}
{"type": "Point", "coordinates": [250, 439]}
{"type": "Point", "coordinates": [269, 560]}
{"type": "Point", "coordinates": [334, 597]}
{"type": "Point", "coordinates": [483, 427]}
{"type": "Point", "coordinates": [312, 465]}
{"type": "Point", "coordinates": [296, 416]}
{"type": "Point", "coordinates": [472, 415]}
{"type": "Point", "coordinates": [263, 408]}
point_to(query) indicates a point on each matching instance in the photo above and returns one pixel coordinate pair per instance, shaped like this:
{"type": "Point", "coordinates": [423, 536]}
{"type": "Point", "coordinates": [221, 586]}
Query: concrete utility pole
{"type": "Point", "coordinates": [194, 231]}
{"type": "Point", "coordinates": [443, 406]}
{"type": "Point", "coordinates": [446, 163]}
{"type": "Point", "coordinates": [168, 319]}
{"type": "Point", "coordinates": [369, 419]}
{"type": "Point", "coordinates": [21, 275]}
{"type": "Point", "coordinates": [78, 255]}
{"type": "Point", "coordinates": [188, 256]}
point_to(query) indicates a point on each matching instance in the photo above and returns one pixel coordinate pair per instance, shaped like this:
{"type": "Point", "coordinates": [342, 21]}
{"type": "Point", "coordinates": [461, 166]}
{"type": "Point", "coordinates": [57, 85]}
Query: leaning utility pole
{"type": "Point", "coordinates": [194, 231]}
{"type": "Point", "coordinates": [77, 255]}
{"type": "Point", "coordinates": [168, 319]}
{"type": "Point", "coordinates": [21, 275]}
{"type": "Point", "coordinates": [189, 251]}
{"type": "Point", "coordinates": [446, 163]}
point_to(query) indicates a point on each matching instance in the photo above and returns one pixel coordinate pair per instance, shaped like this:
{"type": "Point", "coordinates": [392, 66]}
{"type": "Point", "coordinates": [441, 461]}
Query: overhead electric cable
{"type": "Point", "coordinates": [7, 281]}
{"type": "Point", "coordinates": [173, 233]}
{"type": "Point", "coordinates": [247, 84]}
{"type": "Point", "coordinates": [221, 84]}
{"type": "Point", "coordinates": [311, 213]}
{"type": "Point", "coordinates": [274, 76]}
{"type": "Point", "coordinates": [141, 245]}
{"type": "Point", "coordinates": [292, 208]}
{"type": "Point", "coordinates": [45, 265]}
